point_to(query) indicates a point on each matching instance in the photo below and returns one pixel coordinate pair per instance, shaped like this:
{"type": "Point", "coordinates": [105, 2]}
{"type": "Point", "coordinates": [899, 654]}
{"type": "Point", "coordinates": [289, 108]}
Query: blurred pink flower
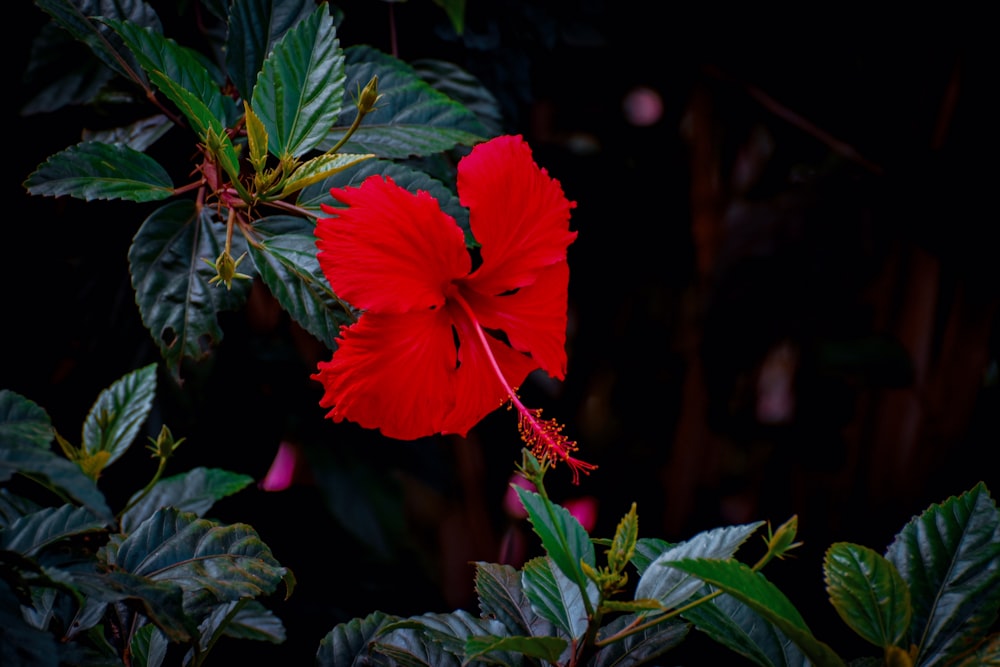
{"type": "Point", "coordinates": [584, 510]}
{"type": "Point", "coordinates": [288, 466]}
{"type": "Point", "coordinates": [511, 502]}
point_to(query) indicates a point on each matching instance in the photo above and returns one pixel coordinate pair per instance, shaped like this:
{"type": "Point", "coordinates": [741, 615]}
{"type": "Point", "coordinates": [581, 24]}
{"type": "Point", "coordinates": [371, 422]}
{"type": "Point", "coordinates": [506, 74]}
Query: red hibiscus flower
{"type": "Point", "coordinates": [441, 344]}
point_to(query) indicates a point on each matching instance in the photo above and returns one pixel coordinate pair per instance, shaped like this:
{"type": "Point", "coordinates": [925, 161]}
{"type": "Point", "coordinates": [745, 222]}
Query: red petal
{"type": "Point", "coordinates": [516, 211]}
{"type": "Point", "coordinates": [478, 389]}
{"type": "Point", "coordinates": [393, 372]}
{"type": "Point", "coordinates": [390, 251]}
{"type": "Point", "coordinates": [534, 317]}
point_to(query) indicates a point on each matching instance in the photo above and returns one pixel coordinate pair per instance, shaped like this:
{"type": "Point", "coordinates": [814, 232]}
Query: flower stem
{"type": "Point", "coordinates": [543, 436]}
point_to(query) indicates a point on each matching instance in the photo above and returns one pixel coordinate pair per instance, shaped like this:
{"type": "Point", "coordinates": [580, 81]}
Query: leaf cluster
{"type": "Point", "coordinates": [931, 599]}
{"type": "Point", "coordinates": [279, 113]}
{"type": "Point", "coordinates": [82, 584]}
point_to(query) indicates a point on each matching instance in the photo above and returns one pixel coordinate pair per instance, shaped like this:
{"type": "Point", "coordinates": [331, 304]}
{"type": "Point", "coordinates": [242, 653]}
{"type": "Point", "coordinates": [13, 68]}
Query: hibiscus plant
{"type": "Point", "coordinates": [427, 251]}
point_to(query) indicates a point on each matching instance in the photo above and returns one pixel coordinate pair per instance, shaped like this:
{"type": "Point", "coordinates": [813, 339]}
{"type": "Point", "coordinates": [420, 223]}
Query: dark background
{"type": "Point", "coordinates": [783, 301]}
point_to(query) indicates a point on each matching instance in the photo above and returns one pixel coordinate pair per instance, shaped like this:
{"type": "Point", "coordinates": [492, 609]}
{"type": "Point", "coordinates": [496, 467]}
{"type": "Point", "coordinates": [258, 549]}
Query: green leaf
{"type": "Point", "coordinates": [299, 92]}
{"type": "Point", "coordinates": [648, 549]}
{"type": "Point", "coordinates": [162, 600]}
{"type": "Point", "coordinates": [405, 177]}
{"type": "Point", "coordinates": [13, 506]}
{"type": "Point", "coordinates": [175, 299]}
{"type": "Point", "coordinates": [319, 168]}
{"type": "Point", "coordinates": [31, 534]}
{"type": "Point", "coordinates": [196, 491]}
{"type": "Point", "coordinates": [93, 170]}
{"type": "Point", "coordinates": [209, 127]}
{"type": "Point", "coordinates": [455, 9]}
{"type": "Point", "coordinates": [139, 135]}
{"type": "Point", "coordinates": [148, 646]}
{"type": "Point", "coordinates": [287, 261]}
{"type": "Point", "coordinates": [209, 561]}
{"type": "Point", "coordinates": [564, 539]}
{"type": "Point", "coordinates": [120, 410]}
{"type": "Point", "coordinates": [638, 648]}
{"type": "Point", "coordinates": [21, 644]}
{"type": "Point", "coordinates": [502, 597]}
{"type": "Point", "coordinates": [411, 119]}
{"type": "Point", "coordinates": [410, 647]}
{"type": "Point", "coordinates": [347, 643]}
{"type": "Point", "coordinates": [868, 593]}
{"type": "Point", "coordinates": [463, 87]}
{"type": "Point", "coordinates": [61, 72]}
{"type": "Point", "coordinates": [557, 598]}
{"type": "Point", "coordinates": [738, 627]}
{"type": "Point", "coordinates": [77, 18]}
{"type": "Point", "coordinates": [255, 26]}
{"type": "Point", "coordinates": [251, 621]}
{"type": "Point", "coordinates": [23, 421]}
{"type": "Point", "coordinates": [485, 647]}
{"type": "Point", "coordinates": [754, 590]}
{"type": "Point", "coordinates": [950, 558]}
{"type": "Point", "coordinates": [450, 631]}
{"type": "Point", "coordinates": [55, 471]}
{"type": "Point", "coordinates": [181, 65]}
{"type": "Point", "coordinates": [673, 588]}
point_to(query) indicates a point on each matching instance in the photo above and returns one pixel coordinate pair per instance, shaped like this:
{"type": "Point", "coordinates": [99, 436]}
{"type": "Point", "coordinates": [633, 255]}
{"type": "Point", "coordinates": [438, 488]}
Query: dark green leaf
{"type": "Point", "coordinates": [171, 282]}
{"type": "Point", "coordinates": [638, 648]}
{"type": "Point", "coordinates": [565, 540]}
{"type": "Point", "coordinates": [93, 170]}
{"type": "Point", "coordinates": [61, 72]}
{"type": "Point", "coordinates": [648, 549]}
{"type": "Point", "coordinates": [455, 9]}
{"type": "Point", "coordinates": [463, 87]}
{"type": "Point", "coordinates": [287, 262]}
{"type": "Point", "coordinates": [161, 600]}
{"type": "Point", "coordinates": [452, 630]}
{"type": "Point", "coordinates": [754, 590]}
{"type": "Point", "coordinates": [300, 90]}
{"type": "Point", "coordinates": [254, 28]}
{"type": "Point", "coordinates": [209, 127]}
{"type": "Point", "coordinates": [987, 652]}
{"type": "Point", "coordinates": [120, 410]}
{"type": "Point", "coordinates": [23, 421]}
{"type": "Point", "coordinates": [411, 119]}
{"type": "Point", "coordinates": [139, 135]}
{"type": "Point", "coordinates": [208, 560]}
{"type": "Point", "coordinates": [13, 506]}
{"type": "Point", "coordinates": [671, 587]}
{"type": "Point", "coordinates": [148, 646]}
{"type": "Point", "coordinates": [487, 648]}
{"type": "Point", "coordinates": [22, 645]}
{"type": "Point", "coordinates": [77, 17]}
{"type": "Point", "coordinates": [501, 596]}
{"type": "Point", "coordinates": [555, 597]}
{"type": "Point", "coordinates": [347, 643]}
{"type": "Point", "coordinates": [868, 593]}
{"type": "Point", "coordinates": [56, 471]}
{"type": "Point", "coordinates": [950, 558]}
{"type": "Point", "coordinates": [410, 647]}
{"type": "Point", "coordinates": [31, 534]}
{"type": "Point", "coordinates": [251, 621]}
{"type": "Point", "coordinates": [196, 491]}
{"type": "Point", "coordinates": [738, 627]}
{"type": "Point", "coordinates": [180, 64]}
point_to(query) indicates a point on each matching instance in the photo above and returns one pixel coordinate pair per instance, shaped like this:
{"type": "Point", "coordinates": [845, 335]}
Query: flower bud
{"type": "Point", "coordinates": [369, 96]}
